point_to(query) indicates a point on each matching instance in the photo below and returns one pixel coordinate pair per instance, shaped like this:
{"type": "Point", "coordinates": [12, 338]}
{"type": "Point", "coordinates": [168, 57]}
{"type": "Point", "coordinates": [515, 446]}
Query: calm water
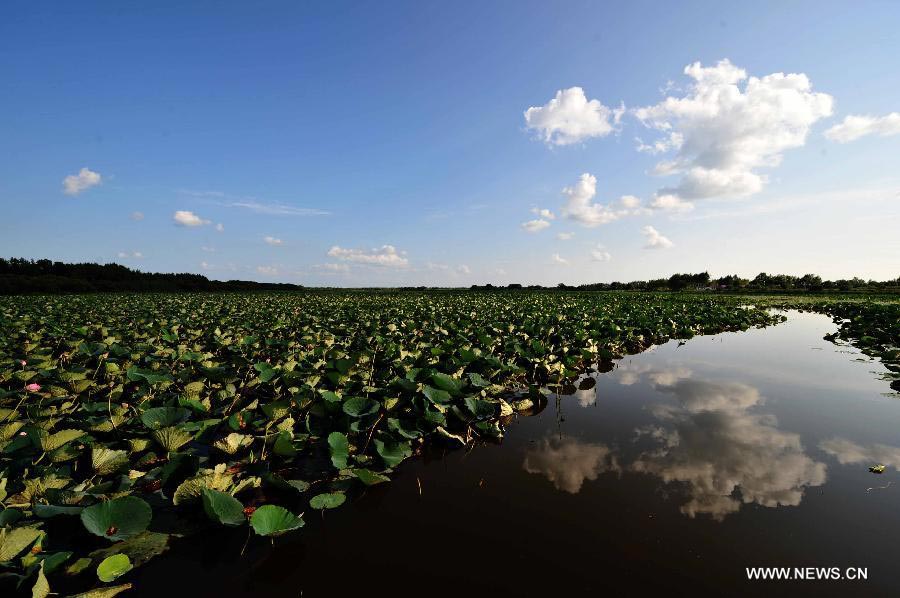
{"type": "Point", "coordinates": [677, 470]}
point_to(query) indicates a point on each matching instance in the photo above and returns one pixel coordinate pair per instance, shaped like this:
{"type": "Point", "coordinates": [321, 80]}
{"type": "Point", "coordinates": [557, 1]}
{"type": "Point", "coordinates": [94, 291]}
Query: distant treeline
{"type": "Point", "coordinates": [19, 275]}
{"type": "Point", "coordinates": [703, 282]}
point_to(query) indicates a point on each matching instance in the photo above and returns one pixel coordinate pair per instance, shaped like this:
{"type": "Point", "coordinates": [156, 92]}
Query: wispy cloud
{"type": "Point", "coordinates": [276, 209]}
{"type": "Point", "coordinates": [254, 204]}
{"type": "Point", "coordinates": [386, 255]}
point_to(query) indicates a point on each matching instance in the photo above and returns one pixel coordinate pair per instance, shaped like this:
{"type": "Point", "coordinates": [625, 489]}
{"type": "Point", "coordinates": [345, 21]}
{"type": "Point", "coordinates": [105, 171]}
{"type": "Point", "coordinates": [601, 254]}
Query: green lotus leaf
{"type": "Point", "coordinates": [396, 425]}
{"type": "Point", "coordinates": [191, 489]}
{"type": "Point", "coordinates": [104, 592]}
{"type": "Point", "coordinates": [15, 540]}
{"type": "Point", "coordinates": [113, 567]}
{"type": "Point", "coordinates": [369, 477]}
{"type": "Point", "coordinates": [272, 520]}
{"type": "Point", "coordinates": [284, 445]}
{"type": "Point", "coordinates": [437, 396]}
{"type": "Point", "coordinates": [479, 408]}
{"type": "Point", "coordinates": [360, 406]}
{"type": "Point", "coordinates": [163, 417]}
{"type": "Point", "coordinates": [222, 507]}
{"type": "Point", "coordinates": [477, 380]}
{"type": "Point", "coordinates": [331, 397]}
{"type": "Point", "coordinates": [328, 500]}
{"type": "Point", "coordinates": [117, 519]}
{"type": "Point", "coordinates": [172, 439]}
{"type": "Point", "coordinates": [447, 383]}
{"type": "Point", "coordinates": [233, 443]}
{"type": "Point", "coordinates": [41, 588]}
{"type": "Point", "coordinates": [106, 461]}
{"type": "Point", "coordinates": [9, 515]}
{"type": "Point", "coordinates": [46, 511]}
{"type": "Point", "coordinates": [53, 561]}
{"type": "Point", "coordinates": [393, 453]}
{"type": "Point", "coordinates": [140, 548]}
{"type": "Point", "coordinates": [9, 430]}
{"type": "Point", "coordinates": [78, 566]}
{"type": "Point", "coordinates": [340, 449]}
{"type": "Point", "coordinates": [58, 439]}
{"type": "Point", "coordinates": [149, 376]}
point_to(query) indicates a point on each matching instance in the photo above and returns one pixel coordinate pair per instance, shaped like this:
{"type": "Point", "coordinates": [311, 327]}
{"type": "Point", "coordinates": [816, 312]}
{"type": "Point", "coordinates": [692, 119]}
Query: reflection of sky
{"type": "Point", "coordinates": [702, 417]}
{"type": "Point", "coordinates": [706, 435]}
{"type": "Point", "coordinates": [726, 454]}
{"type": "Point", "coordinates": [568, 462]}
{"type": "Point", "coordinates": [848, 452]}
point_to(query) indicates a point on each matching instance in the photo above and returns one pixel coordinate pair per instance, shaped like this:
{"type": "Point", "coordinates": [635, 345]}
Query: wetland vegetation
{"type": "Point", "coordinates": [130, 422]}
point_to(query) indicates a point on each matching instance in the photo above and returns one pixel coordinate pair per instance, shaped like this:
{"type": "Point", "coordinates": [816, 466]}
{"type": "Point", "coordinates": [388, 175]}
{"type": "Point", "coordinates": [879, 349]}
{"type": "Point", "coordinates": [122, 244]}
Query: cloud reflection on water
{"type": "Point", "coordinates": [568, 462]}
{"type": "Point", "coordinates": [708, 438]}
{"type": "Point", "coordinates": [848, 452]}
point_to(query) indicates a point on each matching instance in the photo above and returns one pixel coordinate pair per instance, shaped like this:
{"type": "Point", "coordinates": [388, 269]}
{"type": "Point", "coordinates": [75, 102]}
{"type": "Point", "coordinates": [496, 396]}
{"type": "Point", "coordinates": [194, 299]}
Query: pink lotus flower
{"type": "Point", "coordinates": [23, 363]}
{"type": "Point", "coordinates": [33, 387]}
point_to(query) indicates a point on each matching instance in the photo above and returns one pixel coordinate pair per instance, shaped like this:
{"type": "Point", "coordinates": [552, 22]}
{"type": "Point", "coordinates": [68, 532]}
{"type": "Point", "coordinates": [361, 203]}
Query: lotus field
{"type": "Point", "coordinates": [128, 422]}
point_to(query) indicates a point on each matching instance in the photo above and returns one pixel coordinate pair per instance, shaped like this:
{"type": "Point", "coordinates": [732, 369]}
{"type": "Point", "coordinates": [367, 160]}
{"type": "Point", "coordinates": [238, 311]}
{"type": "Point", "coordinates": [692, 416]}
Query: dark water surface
{"type": "Point", "coordinates": [679, 469]}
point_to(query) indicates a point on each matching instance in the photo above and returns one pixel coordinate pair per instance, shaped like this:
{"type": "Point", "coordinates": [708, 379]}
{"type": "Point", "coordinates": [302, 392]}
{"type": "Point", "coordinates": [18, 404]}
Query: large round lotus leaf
{"type": "Point", "coordinates": [106, 461]}
{"type": "Point", "coordinates": [113, 566]}
{"type": "Point", "coordinates": [222, 507]}
{"type": "Point", "coordinates": [393, 453]}
{"type": "Point", "coordinates": [436, 395]}
{"type": "Point", "coordinates": [360, 406]}
{"type": "Point", "coordinates": [163, 417]}
{"type": "Point", "coordinates": [272, 520]}
{"type": "Point", "coordinates": [172, 438]}
{"type": "Point", "coordinates": [329, 500]}
{"type": "Point", "coordinates": [118, 518]}
{"type": "Point", "coordinates": [447, 383]}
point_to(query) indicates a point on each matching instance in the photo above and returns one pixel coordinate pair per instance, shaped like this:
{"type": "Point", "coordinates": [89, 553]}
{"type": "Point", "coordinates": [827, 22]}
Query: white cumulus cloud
{"type": "Point", "coordinates": [580, 207]}
{"type": "Point", "coordinates": [565, 236]}
{"type": "Point", "coordinates": [671, 203]}
{"type": "Point", "coordinates": [853, 127]}
{"type": "Point", "coordinates": [544, 213]}
{"type": "Point", "coordinates": [78, 183]}
{"type": "Point", "coordinates": [599, 254]}
{"type": "Point", "coordinates": [270, 240]}
{"type": "Point", "coordinates": [534, 226]}
{"type": "Point", "coordinates": [188, 218]}
{"type": "Point", "coordinates": [570, 118]}
{"type": "Point", "coordinates": [726, 126]}
{"type": "Point", "coordinates": [654, 240]}
{"type": "Point", "coordinates": [560, 260]}
{"type": "Point", "coordinates": [386, 255]}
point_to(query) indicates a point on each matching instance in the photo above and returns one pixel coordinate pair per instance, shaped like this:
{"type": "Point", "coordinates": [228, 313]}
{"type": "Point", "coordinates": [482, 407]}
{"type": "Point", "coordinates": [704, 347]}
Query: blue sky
{"type": "Point", "coordinates": [361, 143]}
